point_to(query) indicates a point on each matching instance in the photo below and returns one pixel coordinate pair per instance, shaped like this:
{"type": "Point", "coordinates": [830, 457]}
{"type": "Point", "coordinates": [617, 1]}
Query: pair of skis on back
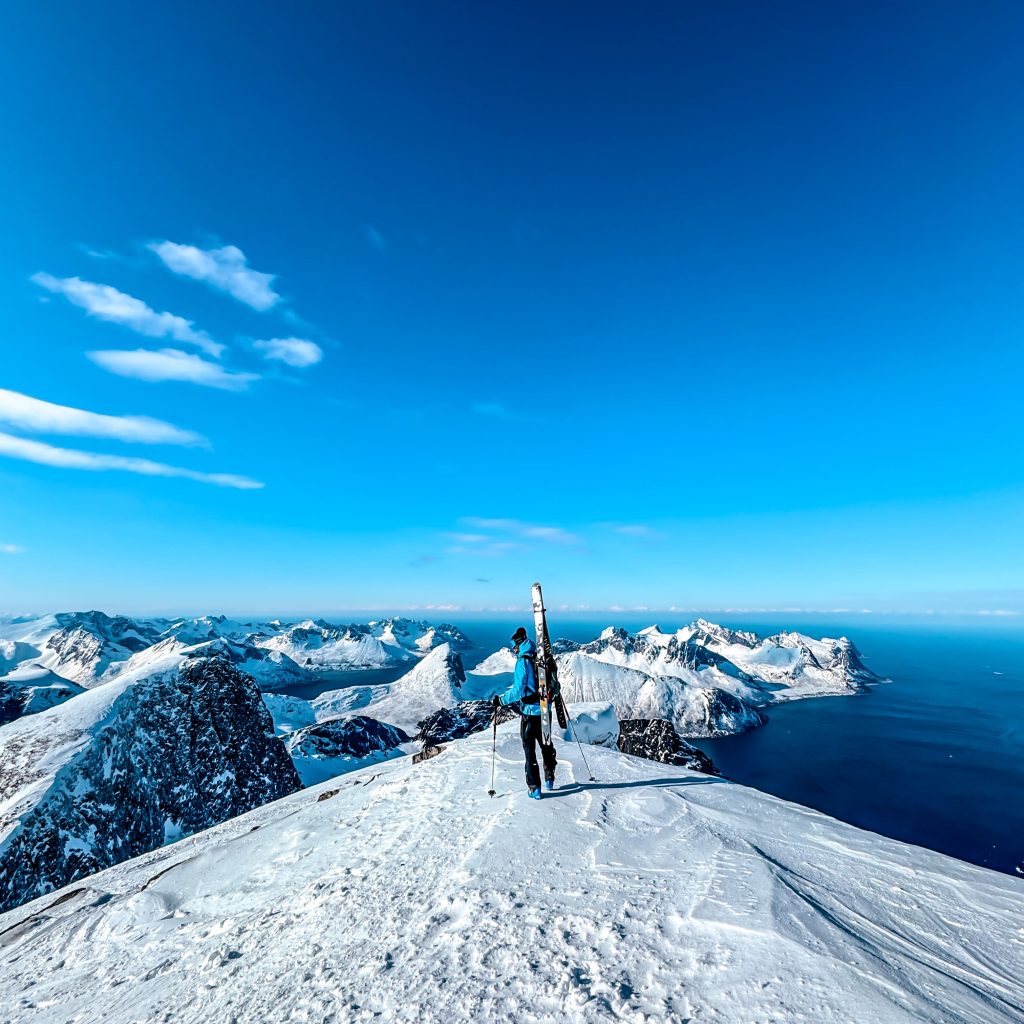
{"type": "Point", "coordinates": [547, 671]}
{"type": "Point", "coordinates": [547, 688]}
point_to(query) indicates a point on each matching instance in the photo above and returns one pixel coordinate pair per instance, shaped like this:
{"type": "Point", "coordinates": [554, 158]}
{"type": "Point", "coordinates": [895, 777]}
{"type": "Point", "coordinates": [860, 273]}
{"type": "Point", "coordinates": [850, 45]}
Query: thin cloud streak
{"type": "Point", "coordinates": [531, 531]}
{"type": "Point", "coordinates": [33, 414]}
{"type": "Point", "coordinates": [67, 458]}
{"type": "Point", "coordinates": [107, 303]}
{"type": "Point", "coordinates": [170, 364]}
{"type": "Point", "coordinates": [11, 549]}
{"type": "Point", "coordinates": [637, 530]}
{"type": "Point", "coordinates": [225, 269]}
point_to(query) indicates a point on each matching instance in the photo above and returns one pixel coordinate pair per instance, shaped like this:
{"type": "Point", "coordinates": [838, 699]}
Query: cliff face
{"type": "Point", "coordinates": [174, 753]}
{"type": "Point", "coordinates": [657, 740]}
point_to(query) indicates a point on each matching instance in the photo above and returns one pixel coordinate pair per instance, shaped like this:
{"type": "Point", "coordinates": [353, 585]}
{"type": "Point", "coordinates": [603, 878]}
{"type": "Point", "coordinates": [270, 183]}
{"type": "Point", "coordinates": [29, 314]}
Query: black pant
{"type": "Point", "coordinates": [530, 730]}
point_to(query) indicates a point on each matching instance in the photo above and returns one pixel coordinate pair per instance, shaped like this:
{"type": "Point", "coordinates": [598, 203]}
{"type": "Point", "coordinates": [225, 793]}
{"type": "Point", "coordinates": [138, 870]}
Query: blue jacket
{"type": "Point", "coordinates": [524, 680]}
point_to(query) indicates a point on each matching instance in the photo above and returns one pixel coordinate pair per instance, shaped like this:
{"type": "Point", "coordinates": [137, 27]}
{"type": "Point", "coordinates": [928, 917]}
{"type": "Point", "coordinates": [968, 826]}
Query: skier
{"type": "Point", "coordinates": [523, 692]}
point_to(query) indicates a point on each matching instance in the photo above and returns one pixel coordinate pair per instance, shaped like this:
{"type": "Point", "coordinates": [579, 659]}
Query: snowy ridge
{"type": "Point", "coordinates": [403, 892]}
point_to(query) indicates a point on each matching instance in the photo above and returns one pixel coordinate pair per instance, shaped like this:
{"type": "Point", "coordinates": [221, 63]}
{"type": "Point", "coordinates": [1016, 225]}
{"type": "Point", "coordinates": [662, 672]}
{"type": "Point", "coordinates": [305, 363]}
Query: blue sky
{"type": "Point", "coordinates": [681, 305]}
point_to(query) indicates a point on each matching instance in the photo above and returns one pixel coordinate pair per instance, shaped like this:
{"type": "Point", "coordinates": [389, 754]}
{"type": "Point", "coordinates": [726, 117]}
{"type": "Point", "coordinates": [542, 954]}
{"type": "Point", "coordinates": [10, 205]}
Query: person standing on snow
{"type": "Point", "coordinates": [524, 692]}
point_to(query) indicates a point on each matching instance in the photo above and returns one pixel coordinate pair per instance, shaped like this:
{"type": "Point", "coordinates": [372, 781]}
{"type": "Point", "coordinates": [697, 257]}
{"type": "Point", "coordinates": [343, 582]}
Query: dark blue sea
{"type": "Point", "coordinates": [934, 757]}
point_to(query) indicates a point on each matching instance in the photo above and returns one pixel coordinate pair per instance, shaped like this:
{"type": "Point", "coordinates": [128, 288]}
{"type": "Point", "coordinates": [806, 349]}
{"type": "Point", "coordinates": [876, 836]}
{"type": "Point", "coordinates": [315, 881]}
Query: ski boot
{"type": "Point", "coordinates": [534, 794]}
{"type": "Point", "coordinates": [549, 784]}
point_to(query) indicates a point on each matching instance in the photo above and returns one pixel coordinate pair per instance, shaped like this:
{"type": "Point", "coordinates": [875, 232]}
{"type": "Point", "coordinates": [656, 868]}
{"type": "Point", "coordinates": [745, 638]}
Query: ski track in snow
{"type": "Point", "coordinates": [403, 893]}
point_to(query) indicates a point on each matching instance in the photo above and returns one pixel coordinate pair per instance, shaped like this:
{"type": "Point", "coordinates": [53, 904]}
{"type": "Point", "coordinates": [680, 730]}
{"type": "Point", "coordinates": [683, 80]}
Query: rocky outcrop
{"type": "Point", "coordinates": [338, 745]}
{"type": "Point", "coordinates": [125, 768]}
{"type": "Point", "coordinates": [657, 740]}
{"type": "Point", "coordinates": [464, 719]}
{"type": "Point", "coordinates": [356, 737]}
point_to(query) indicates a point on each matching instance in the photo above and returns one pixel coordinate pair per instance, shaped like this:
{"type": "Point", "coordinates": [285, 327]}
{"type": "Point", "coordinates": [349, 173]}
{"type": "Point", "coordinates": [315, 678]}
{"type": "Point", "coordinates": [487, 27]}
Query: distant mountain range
{"type": "Point", "coordinates": [118, 735]}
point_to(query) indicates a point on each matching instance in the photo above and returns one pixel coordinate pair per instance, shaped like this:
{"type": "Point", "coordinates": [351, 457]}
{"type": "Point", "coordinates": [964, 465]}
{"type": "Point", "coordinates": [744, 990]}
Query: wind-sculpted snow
{"type": "Point", "coordinates": [592, 722]}
{"type": "Point", "coordinates": [119, 770]}
{"type": "Point", "coordinates": [657, 740]}
{"type": "Point", "coordinates": [404, 893]}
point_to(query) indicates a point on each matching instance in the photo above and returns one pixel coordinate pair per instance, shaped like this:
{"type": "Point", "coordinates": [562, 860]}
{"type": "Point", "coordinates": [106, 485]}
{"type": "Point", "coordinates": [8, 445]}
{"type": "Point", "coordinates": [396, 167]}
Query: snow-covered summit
{"type": "Point", "coordinates": [403, 892]}
{"type": "Point", "coordinates": [438, 681]}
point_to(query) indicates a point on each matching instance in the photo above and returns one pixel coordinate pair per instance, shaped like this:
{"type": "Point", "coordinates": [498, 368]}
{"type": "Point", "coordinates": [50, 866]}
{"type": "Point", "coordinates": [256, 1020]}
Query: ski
{"type": "Point", "coordinates": [545, 664]}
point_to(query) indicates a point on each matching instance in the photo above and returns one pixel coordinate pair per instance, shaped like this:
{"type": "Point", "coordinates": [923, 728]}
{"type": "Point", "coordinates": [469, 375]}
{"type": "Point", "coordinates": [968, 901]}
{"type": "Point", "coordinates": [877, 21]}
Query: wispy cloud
{"type": "Point", "coordinates": [552, 533]}
{"type": "Point", "coordinates": [99, 254]}
{"type": "Point", "coordinates": [374, 237]}
{"type": "Point", "coordinates": [107, 303]}
{"type": "Point", "coordinates": [293, 351]}
{"type": "Point", "coordinates": [494, 409]}
{"type": "Point", "coordinates": [225, 269]}
{"type": "Point", "coordinates": [479, 523]}
{"type": "Point", "coordinates": [35, 415]}
{"type": "Point", "coordinates": [518, 528]}
{"type": "Point", "coordinates": [490, 549]}
{"type": "Point", "coordinates": [171, 364]}
{"type": "Point", "coordinates": [11, 549]}
{"type": "Point", "coordinates": [637, 530]}
{"type": "Point", "coordinates": [66, 458]}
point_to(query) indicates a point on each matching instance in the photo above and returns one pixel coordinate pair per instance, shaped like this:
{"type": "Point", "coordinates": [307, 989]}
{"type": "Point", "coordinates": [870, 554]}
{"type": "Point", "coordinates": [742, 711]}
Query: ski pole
{"type": "Point", "coordinates": [494, 743]}
{"type": "Point", "coordinates": [572, 729]}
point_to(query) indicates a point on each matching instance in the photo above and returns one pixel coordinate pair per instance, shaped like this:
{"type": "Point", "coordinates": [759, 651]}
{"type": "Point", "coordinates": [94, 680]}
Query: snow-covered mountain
{"type": "Point", "coordinates": [438, 681]}
{"type": "Point", "coordinates": [697, 703]}
{"type": "Point", "coordinates": [787, 665]}
{"type": "Point", "coordinates": [173, 745]}
{"type": "Point", "coordinates": [319, 645]}
{"type": "Point", "coordinates": [705, 679]}
{"type": "Point", "coordinates": [333, 747]}
{"type": "Point", "coordinates": [405, 893]}
{"type": "Point", "coordinates": [88, 649]}
{"type": "Point", "coordinates": [29, 688]}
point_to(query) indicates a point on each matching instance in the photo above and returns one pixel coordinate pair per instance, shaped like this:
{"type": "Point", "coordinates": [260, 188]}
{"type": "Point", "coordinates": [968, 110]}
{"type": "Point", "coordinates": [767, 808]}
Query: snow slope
{"type": "Point", "coordinates": [403, 893]}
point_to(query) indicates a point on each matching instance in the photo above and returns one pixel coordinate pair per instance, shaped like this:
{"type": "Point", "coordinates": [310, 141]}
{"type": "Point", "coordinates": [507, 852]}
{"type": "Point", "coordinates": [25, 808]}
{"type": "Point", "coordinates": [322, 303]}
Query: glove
{"type": "Point", "coordinates": [495, 702]}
